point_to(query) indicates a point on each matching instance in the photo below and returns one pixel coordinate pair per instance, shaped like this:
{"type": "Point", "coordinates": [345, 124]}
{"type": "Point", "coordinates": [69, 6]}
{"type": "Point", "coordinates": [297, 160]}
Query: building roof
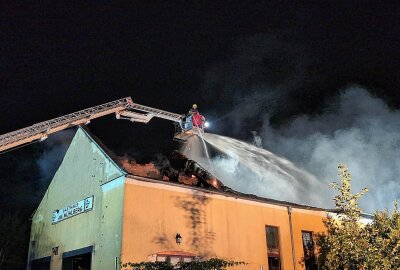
{"type": "Point", "coordinates": [150, 173]}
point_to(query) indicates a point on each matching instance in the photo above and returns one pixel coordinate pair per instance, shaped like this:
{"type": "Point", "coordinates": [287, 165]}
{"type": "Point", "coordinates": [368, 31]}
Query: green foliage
{"type": "Point", "coordinates": [346, 202]}
{"type": "Point", "coordinates": [348, 244]}
{"type": "Point", "coordinates": [384, 240]}
{"type": "Point", "coordinates": [344, 245]}
{"type": "Point", "coordinates": [148, 266]}
{"type": "Point", "coordinates": [211, 264]}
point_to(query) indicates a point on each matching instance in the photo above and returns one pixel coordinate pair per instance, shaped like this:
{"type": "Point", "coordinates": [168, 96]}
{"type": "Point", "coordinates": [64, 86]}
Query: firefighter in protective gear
{"type": "Point", "coordinates": [193, 110]}
{"type": "Point", "coordinates": [193, 119]}
{"type": "Point", "coordinates": [196, 118]}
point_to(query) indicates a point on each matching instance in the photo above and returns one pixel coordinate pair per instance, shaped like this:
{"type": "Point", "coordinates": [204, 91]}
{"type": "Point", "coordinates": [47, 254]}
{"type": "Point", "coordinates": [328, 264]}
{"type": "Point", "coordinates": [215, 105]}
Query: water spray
{"type": "Point", "coordinates": [261, 172]}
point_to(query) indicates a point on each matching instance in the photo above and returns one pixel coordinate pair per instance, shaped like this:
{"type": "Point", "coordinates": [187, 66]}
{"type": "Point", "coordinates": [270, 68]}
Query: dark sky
{"type": "Point", "coordinates": [56, 59]}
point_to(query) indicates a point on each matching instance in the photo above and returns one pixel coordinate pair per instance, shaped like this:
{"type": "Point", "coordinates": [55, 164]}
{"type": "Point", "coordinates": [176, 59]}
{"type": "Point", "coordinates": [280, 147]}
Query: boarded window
{"type": "Point", "coordinates": [161, 259]}
{"type": "Point", "coordinates": [173, 257]}
{"type": "Point", "coordinates": [188, 259]}
{"type": "Point", "coordinates": [273, 248]}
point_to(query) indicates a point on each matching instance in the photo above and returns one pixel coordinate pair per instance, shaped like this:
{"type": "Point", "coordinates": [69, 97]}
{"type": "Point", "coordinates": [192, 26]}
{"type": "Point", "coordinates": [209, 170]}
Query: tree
{"type": "Point", "coordinates": [344, 246]}
{"type": "Point", "coordinates": [348, 244]}
{"type": "Point", "coordinates": [384, 240]}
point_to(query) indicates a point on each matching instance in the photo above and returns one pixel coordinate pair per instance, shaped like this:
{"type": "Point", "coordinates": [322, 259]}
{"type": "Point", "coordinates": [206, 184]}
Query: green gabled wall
{"type": "Point", "coordinates": [85, 171]}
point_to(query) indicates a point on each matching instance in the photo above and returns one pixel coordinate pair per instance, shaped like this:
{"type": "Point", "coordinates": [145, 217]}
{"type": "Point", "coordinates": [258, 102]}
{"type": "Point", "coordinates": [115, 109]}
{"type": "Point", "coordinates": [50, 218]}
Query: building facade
{"type": "Point", "coordinates": [96, 214]}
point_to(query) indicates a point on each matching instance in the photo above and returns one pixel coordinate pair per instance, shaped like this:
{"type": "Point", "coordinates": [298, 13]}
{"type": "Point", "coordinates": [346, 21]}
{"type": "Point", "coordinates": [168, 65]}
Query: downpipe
{"type": "Point", "coordinates": [289, 209]}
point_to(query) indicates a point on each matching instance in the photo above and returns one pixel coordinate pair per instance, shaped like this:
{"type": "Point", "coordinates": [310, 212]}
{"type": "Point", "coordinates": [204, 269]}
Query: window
{"type": "Point", "coordinates": [78, 259]}
{"type": "Point", "coordinates": [161, 258]}
{"type": "Point", "coordinates": [79, 262]}
{"type": "Point", "coordinates": [173, 257]}
{"type": "Point", "coordinates": [308, 249]}
{"type": "Point", "coordinates": [273, 250]}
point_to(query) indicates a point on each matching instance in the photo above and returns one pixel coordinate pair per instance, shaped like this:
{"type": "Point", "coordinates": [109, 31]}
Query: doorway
{"type": "Point", "coordinates": [78, 259]}
{"type": "Point", "coordinates": [41, 264]}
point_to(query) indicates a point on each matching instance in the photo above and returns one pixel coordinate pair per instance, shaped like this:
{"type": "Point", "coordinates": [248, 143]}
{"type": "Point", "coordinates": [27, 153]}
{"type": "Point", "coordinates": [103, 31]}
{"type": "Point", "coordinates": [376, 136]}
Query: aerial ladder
{"type": "Point", "coordinates": [123, 108]}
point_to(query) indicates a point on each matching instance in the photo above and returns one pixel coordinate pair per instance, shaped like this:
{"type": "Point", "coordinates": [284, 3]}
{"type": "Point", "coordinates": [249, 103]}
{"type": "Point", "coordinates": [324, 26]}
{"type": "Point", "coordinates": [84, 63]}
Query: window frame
{"type": "Point", "coordinates": [278, 238]}
{"type": "Point", "coordinates": [312, 257]}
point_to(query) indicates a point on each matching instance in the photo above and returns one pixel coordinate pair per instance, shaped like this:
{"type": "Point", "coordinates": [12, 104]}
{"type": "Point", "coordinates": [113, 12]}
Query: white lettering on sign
{"type": "Point", "coordinates": [73, 210]}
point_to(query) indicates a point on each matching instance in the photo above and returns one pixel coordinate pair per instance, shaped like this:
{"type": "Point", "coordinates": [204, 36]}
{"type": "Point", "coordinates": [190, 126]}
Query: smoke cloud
{"type": "Point", "coordinates": [54, 151]}
{"type": "Point", "coordinates": [314, 118]}
{"type": "Point", "coordinates": [358, 130]}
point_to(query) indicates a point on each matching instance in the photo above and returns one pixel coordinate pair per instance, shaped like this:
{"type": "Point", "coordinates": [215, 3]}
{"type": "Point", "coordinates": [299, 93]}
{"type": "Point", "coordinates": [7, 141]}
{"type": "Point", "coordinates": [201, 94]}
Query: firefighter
{"type": "Point", "coordinates": [196, 118]}
{"type": "Point", "coordinates": [187, 122]}
{"type": "Point", "coordinates": [193, 110]}
{"type": "Point", "coordinates": [193, 117]}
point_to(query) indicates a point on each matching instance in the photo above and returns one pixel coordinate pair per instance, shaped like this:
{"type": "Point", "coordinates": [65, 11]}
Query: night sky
{"type": "Point", "coordinates": [318, 81]}
{"type": "Point", "coordinates": [57, 59]}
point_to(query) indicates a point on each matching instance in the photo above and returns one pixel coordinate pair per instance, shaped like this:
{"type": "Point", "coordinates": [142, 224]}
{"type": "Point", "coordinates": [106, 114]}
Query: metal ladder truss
{"type": "Point", "coordinates": [151, 112]}
{"type": "Point", "coordinates": [121, 107]}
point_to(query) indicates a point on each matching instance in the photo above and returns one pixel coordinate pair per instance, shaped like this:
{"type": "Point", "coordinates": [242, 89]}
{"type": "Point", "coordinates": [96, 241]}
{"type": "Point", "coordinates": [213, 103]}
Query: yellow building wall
{"type": "Point", "coordinates": [210, 225]}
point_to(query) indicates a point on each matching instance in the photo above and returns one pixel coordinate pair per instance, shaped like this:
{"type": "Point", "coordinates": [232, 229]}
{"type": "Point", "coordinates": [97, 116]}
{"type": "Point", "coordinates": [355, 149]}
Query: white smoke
{"type": "Point", "coordinates": [270, 79]}
{"type": "Point", "coordinates": [257, 140]}
{"type": "Point", "coordinates": [358, 130]}
{"type": "Point", "coordinates": [55, 148]}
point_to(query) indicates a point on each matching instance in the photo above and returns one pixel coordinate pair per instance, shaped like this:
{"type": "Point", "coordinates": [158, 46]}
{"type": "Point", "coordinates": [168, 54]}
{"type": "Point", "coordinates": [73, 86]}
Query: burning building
{"type": "Point", "coordinates": [100, 210]}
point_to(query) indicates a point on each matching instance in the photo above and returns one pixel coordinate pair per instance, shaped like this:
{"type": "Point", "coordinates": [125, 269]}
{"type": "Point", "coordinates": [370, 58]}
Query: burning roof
{"type": "Point", "coordinates": [178, 169]}
{"type": "Point", "coordinates": [181, 170]}
{"type": "Point", "coordinates": [145, 170]}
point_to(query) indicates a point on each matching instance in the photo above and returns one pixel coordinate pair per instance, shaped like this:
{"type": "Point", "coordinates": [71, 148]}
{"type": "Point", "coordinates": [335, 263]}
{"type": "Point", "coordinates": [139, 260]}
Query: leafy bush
{"type": "Point", "coordinates": [211, 264]}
